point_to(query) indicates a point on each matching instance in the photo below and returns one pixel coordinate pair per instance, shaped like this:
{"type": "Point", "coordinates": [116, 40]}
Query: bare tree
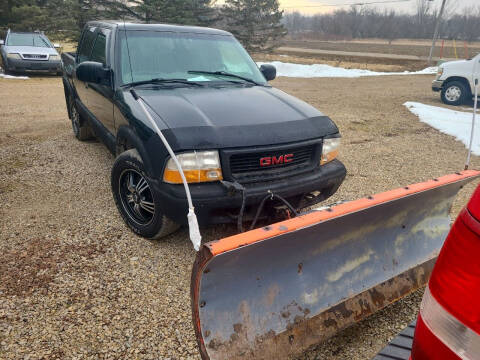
{"type": "Point", "coordinates": [366, 22]}
{"type": "Point", "coordinates": [423, 16]}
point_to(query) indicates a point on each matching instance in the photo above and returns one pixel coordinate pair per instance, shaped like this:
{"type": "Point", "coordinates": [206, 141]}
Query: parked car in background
{"type": "Point", "coordinates": [455, 80]}
{"type": "Point", "coordinates": [29, 51]}
{"type": "Point", "coordinates": [234, 134]}
{"type": "Point", "coordinates": [448, 326]}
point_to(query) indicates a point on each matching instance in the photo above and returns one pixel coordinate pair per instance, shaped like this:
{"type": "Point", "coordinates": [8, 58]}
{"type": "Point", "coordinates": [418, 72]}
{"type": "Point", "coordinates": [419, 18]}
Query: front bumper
{"type": "Point", "coordinates": [215, 205]}
{"type": "Point", "coordinates": [33, 65]}
{"type": "Point", "coordinates": [437, 85]}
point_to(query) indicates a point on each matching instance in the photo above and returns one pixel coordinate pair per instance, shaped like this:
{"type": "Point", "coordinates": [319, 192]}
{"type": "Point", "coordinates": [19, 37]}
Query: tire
{"type": "Point", "coordinates": [6, 71]}
{"type": "Point", "coordinates": [136, 199]}
{"type": "Point", "coordinates": [5, 67]}
{"type": "Point", "coordinates": [454, 93]}
{"type": "Point", "coordinates": [80, 128]}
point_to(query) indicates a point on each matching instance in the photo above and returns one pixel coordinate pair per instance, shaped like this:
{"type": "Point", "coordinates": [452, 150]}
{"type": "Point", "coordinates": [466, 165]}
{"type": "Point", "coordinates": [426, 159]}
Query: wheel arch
{"type": "Point", "coordinates": [460, 79]}
{"type": "Point", "coordinates": [127, 139]}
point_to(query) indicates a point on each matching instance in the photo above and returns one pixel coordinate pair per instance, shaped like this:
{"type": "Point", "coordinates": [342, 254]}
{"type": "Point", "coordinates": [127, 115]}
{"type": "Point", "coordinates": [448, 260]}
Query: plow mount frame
{"type": "Point", "coordinates": [275, 291]}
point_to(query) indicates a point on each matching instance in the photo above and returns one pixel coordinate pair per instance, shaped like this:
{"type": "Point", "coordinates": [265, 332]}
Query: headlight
{"type": "Point", "coordinates": [329, 150]}
{"type": "Point", "coordinates": [54, 57]}
{"type": "Point", "coordinates": [198, 166]}
{"type": "Point", "coordinates": [13, 56]}
{"type": "Point", "coordinates": [439, 72]}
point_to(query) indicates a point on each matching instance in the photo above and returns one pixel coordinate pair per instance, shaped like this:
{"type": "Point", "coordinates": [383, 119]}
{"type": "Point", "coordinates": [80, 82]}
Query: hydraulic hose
{"type": "Point", "coordinates": [271, 197]}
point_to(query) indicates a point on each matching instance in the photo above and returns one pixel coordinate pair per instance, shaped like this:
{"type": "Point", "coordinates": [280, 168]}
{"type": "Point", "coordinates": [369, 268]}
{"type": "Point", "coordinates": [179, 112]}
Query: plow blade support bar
{"type": "Point", "coordinates": [273, 292]}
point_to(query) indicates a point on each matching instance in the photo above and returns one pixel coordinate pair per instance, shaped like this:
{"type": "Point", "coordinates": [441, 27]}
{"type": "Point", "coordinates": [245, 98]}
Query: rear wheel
{"type": "Point", "coordinates": [454, 93]}
{"type": "Point", "coordinates": [136, 199]}
{"type": "Point", "coordinates": [80, 128]}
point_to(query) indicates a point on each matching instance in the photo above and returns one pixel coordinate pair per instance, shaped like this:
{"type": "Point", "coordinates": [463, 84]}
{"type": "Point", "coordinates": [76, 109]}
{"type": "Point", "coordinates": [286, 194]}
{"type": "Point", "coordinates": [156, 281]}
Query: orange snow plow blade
{"type": "Point", "coordinates": [272, 292]}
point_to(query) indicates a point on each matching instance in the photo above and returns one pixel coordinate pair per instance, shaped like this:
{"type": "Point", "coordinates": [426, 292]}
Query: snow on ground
{"type": "Point", "coordinates": [321, 70]}
{"type": "Point", "coordinates": [450, 122]}
{"type": "Point", "coordinates": [3, 76]}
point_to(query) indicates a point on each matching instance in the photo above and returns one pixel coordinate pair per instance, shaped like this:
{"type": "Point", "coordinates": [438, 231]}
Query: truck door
{"type": "Point", "coordinates": [83, 54]}
{"type": "Point", "coordinates": [100, 95]}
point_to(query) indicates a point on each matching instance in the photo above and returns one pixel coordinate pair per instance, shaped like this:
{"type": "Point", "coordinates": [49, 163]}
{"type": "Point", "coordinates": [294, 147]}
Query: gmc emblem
{"type": "Point", "coordinates": [274, 160]}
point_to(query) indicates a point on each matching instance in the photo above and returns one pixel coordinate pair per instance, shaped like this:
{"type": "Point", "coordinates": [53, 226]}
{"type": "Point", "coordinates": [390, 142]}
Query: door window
{"type": "Point", "coordinates": [99, 49]}
{"type": "Point", "coordinates": [86, 45]}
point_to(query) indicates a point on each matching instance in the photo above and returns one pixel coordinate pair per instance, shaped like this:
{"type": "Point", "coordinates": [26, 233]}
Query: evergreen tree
{"type": "Point", "coordinates": [63, 18]}
{"type": "Point", "coordinates": [255, 23]}
{"type": "Point", "coordinates": [66, 18]}
{"type": "Point", "coordinates": [185, 12]}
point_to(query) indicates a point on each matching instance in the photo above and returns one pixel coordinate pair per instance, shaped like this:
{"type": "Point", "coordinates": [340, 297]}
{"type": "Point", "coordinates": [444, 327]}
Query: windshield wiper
{"type": "Point", "coordinates": [164, 81]}
{"type": "Point", "coordinates": [224, 73]}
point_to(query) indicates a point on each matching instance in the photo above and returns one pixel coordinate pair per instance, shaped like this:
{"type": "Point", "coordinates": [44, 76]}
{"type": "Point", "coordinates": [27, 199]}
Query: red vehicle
{"type": "Point", "coordinates": [448, 325]}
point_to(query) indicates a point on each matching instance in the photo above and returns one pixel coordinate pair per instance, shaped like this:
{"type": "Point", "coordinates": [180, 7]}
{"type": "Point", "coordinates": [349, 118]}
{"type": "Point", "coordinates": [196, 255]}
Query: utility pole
{"type": "Point", "coordinates": [437, 30]}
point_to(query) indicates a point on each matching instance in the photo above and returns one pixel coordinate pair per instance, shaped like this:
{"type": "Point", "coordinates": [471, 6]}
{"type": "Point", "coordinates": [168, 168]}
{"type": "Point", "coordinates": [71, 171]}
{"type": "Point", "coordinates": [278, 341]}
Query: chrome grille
{"type": "Point", "coordinates": [35, 56]}
{"type": "Point", "coordinates": [249, 164]}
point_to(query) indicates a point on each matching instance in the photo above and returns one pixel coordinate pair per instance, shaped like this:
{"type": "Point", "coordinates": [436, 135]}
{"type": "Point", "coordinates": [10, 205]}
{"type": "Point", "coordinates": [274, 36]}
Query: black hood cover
{"type": "Point", "coordinates": [221, 117]}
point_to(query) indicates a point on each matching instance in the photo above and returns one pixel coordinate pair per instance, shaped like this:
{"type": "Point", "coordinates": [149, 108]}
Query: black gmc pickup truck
{"type": "Point", "coordinates": [237, 138]}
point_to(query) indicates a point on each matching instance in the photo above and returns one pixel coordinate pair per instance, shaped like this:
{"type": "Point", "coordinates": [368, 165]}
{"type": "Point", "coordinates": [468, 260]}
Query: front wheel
{"type": "Point", "coordinates": [136, 200]}
{"type": "Point", "coordinates": [454, 93]}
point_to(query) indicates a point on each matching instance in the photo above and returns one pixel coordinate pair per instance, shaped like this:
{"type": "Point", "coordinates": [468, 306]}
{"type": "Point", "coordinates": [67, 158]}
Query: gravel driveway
{"type": "Point", "coordinates": [75, 283]}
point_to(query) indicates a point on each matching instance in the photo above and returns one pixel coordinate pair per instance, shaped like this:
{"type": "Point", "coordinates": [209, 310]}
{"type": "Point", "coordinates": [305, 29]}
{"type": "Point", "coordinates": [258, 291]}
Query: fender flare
{"type": "Point", "coordinates": [128, 139]}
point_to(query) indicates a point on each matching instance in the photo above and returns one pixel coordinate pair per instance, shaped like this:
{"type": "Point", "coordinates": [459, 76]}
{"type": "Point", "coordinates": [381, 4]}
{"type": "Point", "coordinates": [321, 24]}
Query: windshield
{"type": "Point", "coordinates": [37, 40]}
{"type": "Point", "coordinates": [169, 55]}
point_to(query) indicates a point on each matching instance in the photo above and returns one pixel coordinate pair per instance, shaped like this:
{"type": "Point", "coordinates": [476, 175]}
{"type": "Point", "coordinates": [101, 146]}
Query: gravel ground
{"type": "Point", "coordinates": [75, 283]}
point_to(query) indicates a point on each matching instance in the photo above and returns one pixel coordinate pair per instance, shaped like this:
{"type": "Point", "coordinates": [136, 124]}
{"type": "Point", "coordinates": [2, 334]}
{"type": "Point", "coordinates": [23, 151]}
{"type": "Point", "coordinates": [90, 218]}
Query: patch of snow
{"type": "Point", "coordinates": [3, 76]}
{"type": "Point", "coordinates": [450, 122]}
{"type": "Point", "coordinates": [322, 70]}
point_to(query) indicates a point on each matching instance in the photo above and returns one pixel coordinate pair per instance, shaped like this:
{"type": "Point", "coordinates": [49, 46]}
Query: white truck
{"type": "Point", "coordinates": [455, 80]}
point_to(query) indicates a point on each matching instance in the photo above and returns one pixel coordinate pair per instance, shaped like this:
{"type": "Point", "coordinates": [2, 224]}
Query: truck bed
{"type": "Point", "coordinates": [68, 60]}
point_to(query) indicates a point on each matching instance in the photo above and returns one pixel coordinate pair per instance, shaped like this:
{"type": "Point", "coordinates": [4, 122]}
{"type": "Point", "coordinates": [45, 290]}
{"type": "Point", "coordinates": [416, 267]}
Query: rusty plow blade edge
{"type": "Point", "coordinates": [273, 292]}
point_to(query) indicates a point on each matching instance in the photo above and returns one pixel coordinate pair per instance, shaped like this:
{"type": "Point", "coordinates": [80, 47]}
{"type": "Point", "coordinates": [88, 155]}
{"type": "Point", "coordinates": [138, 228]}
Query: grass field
{"type": "Point", "coordinates": [399, 47]}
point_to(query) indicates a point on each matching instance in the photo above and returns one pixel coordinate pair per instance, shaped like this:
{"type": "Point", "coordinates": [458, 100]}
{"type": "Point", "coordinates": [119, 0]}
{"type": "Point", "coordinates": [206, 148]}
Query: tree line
{"type": "Point", "coordinates": [365, 22]}
{"type": "Point", "coordinates": [255, 23]}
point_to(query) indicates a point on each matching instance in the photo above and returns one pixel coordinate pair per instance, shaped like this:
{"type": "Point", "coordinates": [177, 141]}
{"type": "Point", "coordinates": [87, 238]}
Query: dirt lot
{"type": "Point", "coordinates": [75, 283]}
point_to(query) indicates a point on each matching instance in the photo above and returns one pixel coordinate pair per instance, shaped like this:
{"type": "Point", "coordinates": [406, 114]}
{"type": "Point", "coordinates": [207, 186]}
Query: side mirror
{"type": "Point", "coordinates": [268, 71]}
{"type": "Point", "coordinates": [57, 45]}
{"type": "Point", "coordinates": [2, 42]}
{"type": "Point", "coordinates": [93, 72]}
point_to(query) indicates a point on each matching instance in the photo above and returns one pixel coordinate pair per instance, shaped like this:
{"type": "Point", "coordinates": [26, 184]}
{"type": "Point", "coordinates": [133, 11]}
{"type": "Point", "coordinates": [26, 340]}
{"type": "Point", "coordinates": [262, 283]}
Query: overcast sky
{"type": "Point", "coordinates": [309, 6]}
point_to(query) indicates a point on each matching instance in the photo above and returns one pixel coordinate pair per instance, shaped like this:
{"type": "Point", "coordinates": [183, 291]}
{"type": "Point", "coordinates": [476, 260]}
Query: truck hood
{"type": "Point", "coordinates": [219, 117]}
{"type": "Point", "coordinates": [457, 62]}
{"type": "Point", "coordinates": [458, 66]}
{"type": "Point", "coordinates": [30, 50]}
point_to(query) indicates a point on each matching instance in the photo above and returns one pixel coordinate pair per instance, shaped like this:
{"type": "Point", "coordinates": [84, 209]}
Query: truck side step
{"type": "Point", "coordinates": [400, 347]}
